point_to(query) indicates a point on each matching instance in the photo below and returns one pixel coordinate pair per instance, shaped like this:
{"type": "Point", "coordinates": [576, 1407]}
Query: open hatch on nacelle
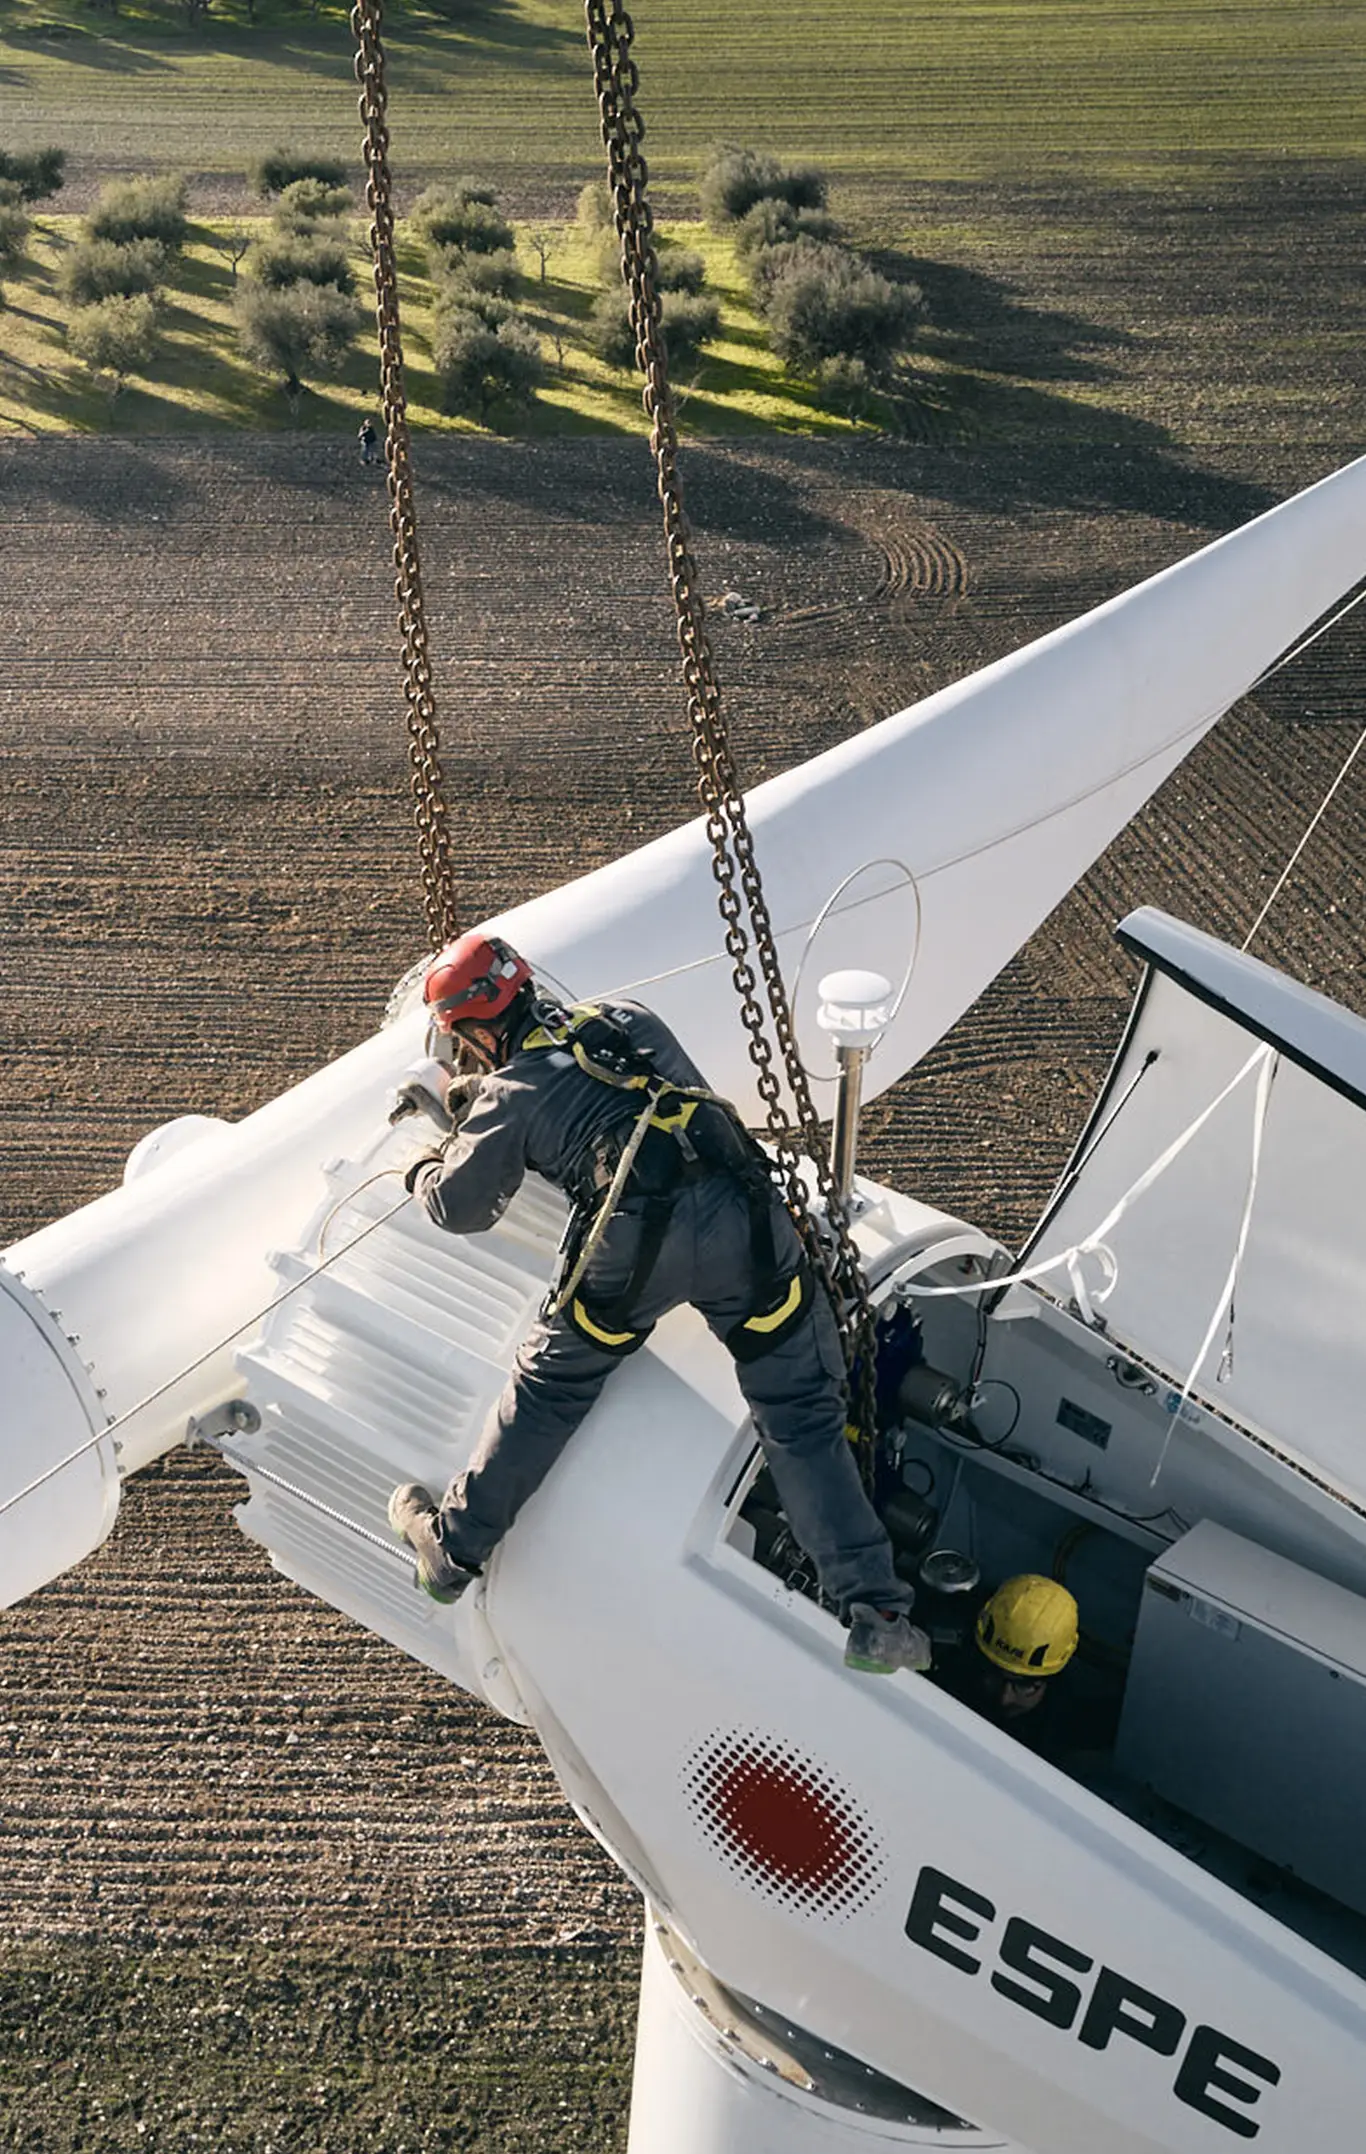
{"type": "Point", "coordinates": [1169, 1425]}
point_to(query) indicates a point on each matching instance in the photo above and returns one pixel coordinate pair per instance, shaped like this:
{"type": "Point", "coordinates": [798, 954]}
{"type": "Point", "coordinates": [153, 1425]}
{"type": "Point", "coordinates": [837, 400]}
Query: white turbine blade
{"type": "Point", "coordinates": [964, 820]}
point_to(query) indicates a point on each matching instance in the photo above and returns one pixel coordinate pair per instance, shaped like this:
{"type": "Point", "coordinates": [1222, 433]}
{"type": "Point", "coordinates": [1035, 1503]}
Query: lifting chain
{"type": "Point", "coordinates": [424, 740]}
{"type": "Point", "coordinates": [610, 35]}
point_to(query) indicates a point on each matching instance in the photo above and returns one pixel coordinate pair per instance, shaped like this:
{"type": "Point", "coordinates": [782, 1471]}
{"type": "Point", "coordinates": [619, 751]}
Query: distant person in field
{"type": "Point", "coordinates": [369, 442]}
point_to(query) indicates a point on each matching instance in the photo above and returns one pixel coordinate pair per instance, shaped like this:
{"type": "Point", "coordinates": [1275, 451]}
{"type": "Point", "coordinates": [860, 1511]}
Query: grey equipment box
{"type": "Point", "coordinates": [1246, 1705]}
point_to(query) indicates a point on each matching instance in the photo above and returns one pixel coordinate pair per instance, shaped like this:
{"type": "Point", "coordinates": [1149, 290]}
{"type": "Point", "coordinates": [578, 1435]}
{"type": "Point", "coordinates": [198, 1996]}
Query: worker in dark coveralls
{"type": "Point", "coordinates": [691, 1216]}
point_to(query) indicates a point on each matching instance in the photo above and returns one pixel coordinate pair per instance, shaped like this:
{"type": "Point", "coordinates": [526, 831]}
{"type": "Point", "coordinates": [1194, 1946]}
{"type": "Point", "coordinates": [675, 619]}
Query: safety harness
{"type": "Point", "coordinates": [681, 1133]}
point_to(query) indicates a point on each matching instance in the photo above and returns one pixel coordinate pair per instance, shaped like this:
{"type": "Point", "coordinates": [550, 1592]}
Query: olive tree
{"type": "Point", "coordinates": [454, 272]}
{"type": "Point", "coordinates": [14, 229]}
{"type": "Point", "coordinates": [34, 174]}
{"type": "Point", "coordinates": [464, 217]}
{"type": "Point", "coordinates": [735, 179]}
{"type": "Point", "coordinates": [279, 169]}
{"type": "Point", "coordinates": [823, 303]}
{"type": "Point", "coordinates": [96, 269]}
{"type": "Point", "coordinates": [151, 207]}
{"type": "Point", "coordinates": [311, 201]}
{"type": "Point", "coordinates": [302, 331]}
{"type": "Point", "coordinates": [681, 269]}
{"type": "Point", "coordinates": [481, 362]}
{"type": "Point", "coordinates": [115, 337]}
{"type": "Point", "coordinates": [689, 320]}
{"type": "Point", "coordinates": [282, 259]}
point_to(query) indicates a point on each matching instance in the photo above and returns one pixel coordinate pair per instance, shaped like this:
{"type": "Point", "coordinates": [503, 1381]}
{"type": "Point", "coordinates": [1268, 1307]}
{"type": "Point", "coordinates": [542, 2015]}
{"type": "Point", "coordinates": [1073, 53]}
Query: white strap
{"type": "Point", "coordinates": [1094, 1244]}
{"type": "Point", "coordinates": [1224, 1305]}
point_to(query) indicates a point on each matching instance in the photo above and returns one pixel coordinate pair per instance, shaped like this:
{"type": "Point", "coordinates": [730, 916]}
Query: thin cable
{"type": "Point", "coordinates": [1286, 658]}
{"type": "Point", "coordinates": [1289, 868]}
{"type": "Point", "coordinates": [1094, 1243]}
{"type": "Point", "coordinates": [152, 1396]}
{"type": "Point", "coordinates": [350, 1198]}
{"type": "Point", "coordinates": [1260, 682]}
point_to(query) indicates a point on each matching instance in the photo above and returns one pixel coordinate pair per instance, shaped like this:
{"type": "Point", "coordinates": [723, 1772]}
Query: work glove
{"type": "Point", "coordinates": [423, 1172]}
{"type": "Point", "coordinates": [429, 1088]}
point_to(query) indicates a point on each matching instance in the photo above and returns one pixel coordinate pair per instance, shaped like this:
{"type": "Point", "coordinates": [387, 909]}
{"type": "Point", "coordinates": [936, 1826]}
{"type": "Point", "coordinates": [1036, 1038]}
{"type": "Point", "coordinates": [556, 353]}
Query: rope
{"type": "Point", "coordinates": [1260, 682]}
{"type": "Point", "coordinates": [606, 1210]}
{"type": "Point", "coordinates": [252, 1467]}
{"type": "Point", "coordinates": [1094, 1243]}
{"type": "Point", "coordinates": [1289, 868]}
{"type": "Point", "coordinates": [1296, 648]}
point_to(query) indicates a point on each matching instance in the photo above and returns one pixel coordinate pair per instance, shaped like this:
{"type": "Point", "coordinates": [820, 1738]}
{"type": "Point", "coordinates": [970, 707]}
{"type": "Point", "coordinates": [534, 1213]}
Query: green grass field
{"type": "Point", "coordinates": [888, 97]}
{"type": "Point", "coordinates": [200, 382]}
{"type": "Point", "coordinates": [877, 91]}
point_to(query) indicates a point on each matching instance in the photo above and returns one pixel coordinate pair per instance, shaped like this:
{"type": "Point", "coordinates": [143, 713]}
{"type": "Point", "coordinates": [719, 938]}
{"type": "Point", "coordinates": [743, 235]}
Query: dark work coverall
{"type": "Point", "coordinates": [540, 1111]}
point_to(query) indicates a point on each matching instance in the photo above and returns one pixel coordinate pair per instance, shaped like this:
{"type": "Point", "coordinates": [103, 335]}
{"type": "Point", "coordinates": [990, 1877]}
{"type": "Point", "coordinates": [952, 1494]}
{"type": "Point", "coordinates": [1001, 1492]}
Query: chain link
{"type": "Point", "coordinates": [424, 739]}
{"type": "Point", "coordinates": [617, 80]}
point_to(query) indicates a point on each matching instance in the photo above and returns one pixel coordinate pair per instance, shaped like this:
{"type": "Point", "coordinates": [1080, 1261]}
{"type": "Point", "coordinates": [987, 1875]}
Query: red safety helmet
{"type": "Point", "coordinates": [473, 981]}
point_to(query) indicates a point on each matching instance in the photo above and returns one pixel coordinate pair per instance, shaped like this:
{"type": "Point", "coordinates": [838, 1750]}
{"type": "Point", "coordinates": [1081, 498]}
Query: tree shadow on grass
{"type": "Point", "coordinates": [206, 279]}
{"type": "Point", "coordinates": [570, 301]}
{"type": "Point", "coordinates": [720, 376]}
{"type": "Point", "coordinates": [425, 41]}
{"type": "Point", "coordinates": [92, 48]}
{"type": "Point", "coordinates": [28, 314]}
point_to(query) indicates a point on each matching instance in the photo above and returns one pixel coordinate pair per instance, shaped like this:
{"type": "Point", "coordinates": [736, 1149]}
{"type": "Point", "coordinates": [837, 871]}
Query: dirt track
{"type": "Point", "coordinates": [207, 882]}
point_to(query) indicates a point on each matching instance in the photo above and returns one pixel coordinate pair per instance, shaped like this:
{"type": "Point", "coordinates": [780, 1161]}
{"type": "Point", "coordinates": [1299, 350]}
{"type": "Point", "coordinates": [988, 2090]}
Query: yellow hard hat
{"type": "Point", "coordinates": [1029, 1626]}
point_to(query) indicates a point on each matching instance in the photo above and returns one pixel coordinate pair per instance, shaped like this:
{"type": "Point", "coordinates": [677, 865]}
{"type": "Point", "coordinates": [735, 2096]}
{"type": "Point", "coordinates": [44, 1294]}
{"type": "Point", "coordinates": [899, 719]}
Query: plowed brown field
{"type": "Point", "coordinates": [262, 1882]}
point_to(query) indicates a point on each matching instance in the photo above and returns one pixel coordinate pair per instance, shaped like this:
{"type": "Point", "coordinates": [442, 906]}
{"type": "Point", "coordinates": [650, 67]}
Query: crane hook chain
{"type": "Point", "coordinates": [424, 738]}
{"type": "Point", "coordinates": [617, 79]}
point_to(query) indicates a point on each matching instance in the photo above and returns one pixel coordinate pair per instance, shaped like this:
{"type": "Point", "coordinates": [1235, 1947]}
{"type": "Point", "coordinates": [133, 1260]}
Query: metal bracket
{"type": "Point", "coordinates": [238, 1417]}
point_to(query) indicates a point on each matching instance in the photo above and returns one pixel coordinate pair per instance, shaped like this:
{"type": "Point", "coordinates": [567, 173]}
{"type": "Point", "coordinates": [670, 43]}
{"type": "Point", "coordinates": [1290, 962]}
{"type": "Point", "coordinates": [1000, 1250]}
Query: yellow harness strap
{"type": "Point", "coordinates": [675, 1119]}
{"type": "Point", "coordinates": [786, 1308]}
{"type": "Point", "coordinates": [614, 1341]}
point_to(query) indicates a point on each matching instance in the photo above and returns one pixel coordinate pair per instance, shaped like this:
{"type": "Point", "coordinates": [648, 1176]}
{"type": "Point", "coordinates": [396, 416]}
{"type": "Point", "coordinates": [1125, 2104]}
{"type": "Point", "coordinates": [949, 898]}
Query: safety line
{"type": "Point", "coordinates": [1289, 867]}
{"type": "Point", "coordinates": [1295, 650]}
{"type": "Point", "coordinates": [1094, 1242]}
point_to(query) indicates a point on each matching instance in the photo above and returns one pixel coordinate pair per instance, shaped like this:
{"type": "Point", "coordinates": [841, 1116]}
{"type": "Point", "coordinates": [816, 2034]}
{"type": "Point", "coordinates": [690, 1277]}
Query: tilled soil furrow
{"type": "Point", "coordinates": [205, 827]}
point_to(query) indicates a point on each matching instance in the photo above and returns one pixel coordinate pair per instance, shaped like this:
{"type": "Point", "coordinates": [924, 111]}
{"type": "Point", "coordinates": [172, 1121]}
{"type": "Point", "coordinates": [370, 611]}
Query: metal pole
{"type": "Point", "coordinates": [844, 1139]}
{"type": "Point", "coordinates": [855, 1009]}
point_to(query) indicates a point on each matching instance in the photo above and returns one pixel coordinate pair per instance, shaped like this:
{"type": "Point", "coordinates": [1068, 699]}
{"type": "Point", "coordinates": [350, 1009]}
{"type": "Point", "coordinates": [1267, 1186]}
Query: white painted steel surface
{"type": "Point", "coordinates": [157, 1273]}
{"type": "Point", "coordinates": [719, 1660]}
{"type": "Point", "coordinates": [693, 2089]}
{"type": "Point", "coordinates": [382, 1369]}
{"type": "Point", "coordinates": [1292, 1365]}
{"type": "Point", "coordinates": [50, 1411]}
{"type": "Point", "coordinates": [995, 794]}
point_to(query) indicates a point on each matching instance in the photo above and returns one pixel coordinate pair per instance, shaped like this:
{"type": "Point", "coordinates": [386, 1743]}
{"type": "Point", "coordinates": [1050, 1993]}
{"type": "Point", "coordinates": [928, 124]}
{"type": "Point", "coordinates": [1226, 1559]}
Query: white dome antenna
{"type": "Point", "coordinates": [855, 1010]}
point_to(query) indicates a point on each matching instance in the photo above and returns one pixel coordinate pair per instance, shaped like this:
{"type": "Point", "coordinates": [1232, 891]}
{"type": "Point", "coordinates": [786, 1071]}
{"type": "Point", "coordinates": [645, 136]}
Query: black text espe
{"type": "Point", "coordinates": [1036, 1971]}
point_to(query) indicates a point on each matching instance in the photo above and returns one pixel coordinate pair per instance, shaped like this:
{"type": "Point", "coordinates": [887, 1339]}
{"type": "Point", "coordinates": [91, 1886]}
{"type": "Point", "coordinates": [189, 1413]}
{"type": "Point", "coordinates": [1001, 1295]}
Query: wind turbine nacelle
{"type": "Point", "coordinates": [929, 847]}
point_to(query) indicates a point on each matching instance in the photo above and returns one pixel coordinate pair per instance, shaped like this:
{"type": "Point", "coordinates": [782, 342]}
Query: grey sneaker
{"type": "Point", "coordinates": [881, 1640]}
{"type": "Point", "coordinates": [414, 1516]}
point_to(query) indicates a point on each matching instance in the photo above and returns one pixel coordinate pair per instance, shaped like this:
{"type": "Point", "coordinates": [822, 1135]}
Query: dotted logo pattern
{"type": "Point", "coordinates": [783, 1823]}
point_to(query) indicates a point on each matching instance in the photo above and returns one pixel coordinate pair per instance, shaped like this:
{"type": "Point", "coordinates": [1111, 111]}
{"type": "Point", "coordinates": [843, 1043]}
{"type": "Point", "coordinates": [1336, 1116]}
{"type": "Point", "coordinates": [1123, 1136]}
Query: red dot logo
{"type": "Point", "coordinates": [783, 1823]}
